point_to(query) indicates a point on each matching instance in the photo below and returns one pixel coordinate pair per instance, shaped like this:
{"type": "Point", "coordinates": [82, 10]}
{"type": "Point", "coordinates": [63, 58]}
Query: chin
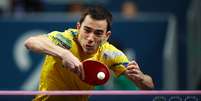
{"type": "Point", "coordinates": [89, 51]}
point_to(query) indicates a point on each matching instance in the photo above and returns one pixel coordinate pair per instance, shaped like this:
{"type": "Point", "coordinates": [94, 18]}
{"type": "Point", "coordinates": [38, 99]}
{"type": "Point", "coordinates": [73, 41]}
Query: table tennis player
{"type": "Point", "coordinates": [63, 69]}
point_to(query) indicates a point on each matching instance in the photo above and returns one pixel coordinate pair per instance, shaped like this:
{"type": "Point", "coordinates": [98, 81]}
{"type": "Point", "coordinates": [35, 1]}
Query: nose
{"type": "Point", "coordinates": [90, 37]}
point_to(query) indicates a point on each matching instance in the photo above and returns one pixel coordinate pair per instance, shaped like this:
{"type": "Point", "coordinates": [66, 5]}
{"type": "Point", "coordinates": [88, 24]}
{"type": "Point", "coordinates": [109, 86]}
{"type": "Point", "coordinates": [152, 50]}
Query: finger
{"type": "Point", "coordinates": [131, 71]}
{"type": "Point", "coordinates": [82, 72]}
{"type": "Point", "coordinates": [75, 70]}
{"type": "Point", "coordinates": [132, 63]}
{"type": "Point", "coordinates": [78, 70]}
{"type": "Point", "coordinates": [133, 67]}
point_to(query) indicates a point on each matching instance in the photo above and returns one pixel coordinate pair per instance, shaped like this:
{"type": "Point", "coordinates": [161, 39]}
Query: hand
{"type": "Point", "coordinates": [134, 73]}
{"type": "Point", "coordinates": [142, 80]}
{"type": "Point", "coordinates": [73, 63]}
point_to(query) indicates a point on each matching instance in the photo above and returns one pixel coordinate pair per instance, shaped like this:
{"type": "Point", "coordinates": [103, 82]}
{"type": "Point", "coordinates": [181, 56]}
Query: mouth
{"type": "Point", "coordinates": [89, 46]}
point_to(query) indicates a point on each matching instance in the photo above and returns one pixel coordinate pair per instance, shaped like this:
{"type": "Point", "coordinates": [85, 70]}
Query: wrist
{"type": "Point", "coordinates": [62, 53]}
{"type": "Point", "coordinates": [147, 83]}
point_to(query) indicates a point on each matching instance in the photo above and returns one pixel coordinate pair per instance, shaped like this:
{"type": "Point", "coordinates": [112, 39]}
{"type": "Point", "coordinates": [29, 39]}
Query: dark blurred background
{"type": "Point", "coordinates": [163, 36]}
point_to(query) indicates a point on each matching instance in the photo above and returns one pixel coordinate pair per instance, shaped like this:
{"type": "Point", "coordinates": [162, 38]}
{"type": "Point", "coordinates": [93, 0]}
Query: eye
{"type": "Point", "coordinates": [98, 33]}
{"type": "Point", "coordinates": [87, 30]}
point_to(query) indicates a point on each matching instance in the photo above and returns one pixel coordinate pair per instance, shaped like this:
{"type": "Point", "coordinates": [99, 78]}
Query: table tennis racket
{"type": "Point", "coordinates": [96, 73]}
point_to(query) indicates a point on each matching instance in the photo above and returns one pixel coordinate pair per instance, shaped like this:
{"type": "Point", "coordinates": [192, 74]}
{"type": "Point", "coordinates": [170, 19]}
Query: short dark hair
{"type": "Point", "coordinates": [97, 12]}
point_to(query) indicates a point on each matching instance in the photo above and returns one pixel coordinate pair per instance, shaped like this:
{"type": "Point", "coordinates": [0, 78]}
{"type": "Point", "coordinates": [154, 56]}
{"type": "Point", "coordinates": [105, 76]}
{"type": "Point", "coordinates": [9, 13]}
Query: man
{"type": "Point", "coordinates": [62, 68]}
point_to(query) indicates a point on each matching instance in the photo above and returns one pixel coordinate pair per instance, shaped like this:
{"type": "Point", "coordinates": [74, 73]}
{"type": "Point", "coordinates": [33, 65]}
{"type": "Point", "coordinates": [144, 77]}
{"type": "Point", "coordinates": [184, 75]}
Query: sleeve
{"type": "Point", "coordinates": [61, 39]}
{"type": "Point", "coordinates": [116, 59]}
{"type": "Point", "coordinates": [119, 63]}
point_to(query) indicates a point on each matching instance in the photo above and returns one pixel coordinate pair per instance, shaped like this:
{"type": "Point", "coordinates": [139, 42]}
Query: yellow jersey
{"type": "Point", "coordinates": [55, 77]}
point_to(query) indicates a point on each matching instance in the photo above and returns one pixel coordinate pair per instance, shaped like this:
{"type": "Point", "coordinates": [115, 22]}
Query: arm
{"type": "Point", "coordinates": [143, 81]}
{"type": "Point", "coordinates": [41, 44]}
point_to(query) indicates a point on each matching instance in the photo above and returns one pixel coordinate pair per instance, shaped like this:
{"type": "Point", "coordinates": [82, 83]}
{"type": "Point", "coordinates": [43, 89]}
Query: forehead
{"type": "Point", "coordinates": [95, 24]}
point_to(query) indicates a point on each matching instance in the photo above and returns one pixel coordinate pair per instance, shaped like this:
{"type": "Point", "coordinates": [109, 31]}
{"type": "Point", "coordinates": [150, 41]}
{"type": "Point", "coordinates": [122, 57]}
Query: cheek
{"type": "Point", "coordinates": [80, 39]}
{"type": "Point", "coordinates": [83, 35]}
{"type": "Point", "coordinates": [100, 41]}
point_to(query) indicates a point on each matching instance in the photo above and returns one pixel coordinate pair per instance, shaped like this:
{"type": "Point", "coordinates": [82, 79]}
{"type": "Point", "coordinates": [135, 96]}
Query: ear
{"type": "Point", "coordinates": [78, 25]}
{"type": "Point", "coordinates": [108, 33]}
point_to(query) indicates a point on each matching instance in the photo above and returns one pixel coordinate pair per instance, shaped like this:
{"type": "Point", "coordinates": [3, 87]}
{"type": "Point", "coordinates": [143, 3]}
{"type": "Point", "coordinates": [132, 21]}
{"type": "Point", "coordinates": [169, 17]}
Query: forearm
{"type": "Point", "coordinates": [146, 83]}
{"type": "Point", "coordinates": [42, 44]}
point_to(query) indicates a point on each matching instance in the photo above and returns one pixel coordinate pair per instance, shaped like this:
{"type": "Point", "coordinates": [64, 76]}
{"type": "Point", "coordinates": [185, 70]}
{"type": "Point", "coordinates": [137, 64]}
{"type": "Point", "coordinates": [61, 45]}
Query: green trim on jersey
{"type": "Point", "coordinates": [63, 41]}
{"type": "Point", "coordinates": [120, 83]}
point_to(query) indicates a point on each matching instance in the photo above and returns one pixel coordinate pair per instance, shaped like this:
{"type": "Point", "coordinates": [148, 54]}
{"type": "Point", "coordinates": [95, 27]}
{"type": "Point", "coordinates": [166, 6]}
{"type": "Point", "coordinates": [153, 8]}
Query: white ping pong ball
{"type": "Point", "coordinates": [101, 75]}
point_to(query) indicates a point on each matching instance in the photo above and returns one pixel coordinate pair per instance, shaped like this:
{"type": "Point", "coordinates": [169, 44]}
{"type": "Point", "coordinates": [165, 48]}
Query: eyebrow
{"type": "Point", "coordinates": [87, 27]}
{"type": "Point", "coordinates": [99, 30]}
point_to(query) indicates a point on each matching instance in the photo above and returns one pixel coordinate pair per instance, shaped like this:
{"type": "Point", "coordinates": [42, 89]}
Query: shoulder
{"type": "Point", "coordinates": [63, 39]}
{"type": "Point", "coordinates": [69, 33]}
{"type": "Point", "coordinates": [110, 52]}
{"type": "Point", "coordinates": [72, 32]}
{"type": "Point", "coordinates": [114, 58]}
